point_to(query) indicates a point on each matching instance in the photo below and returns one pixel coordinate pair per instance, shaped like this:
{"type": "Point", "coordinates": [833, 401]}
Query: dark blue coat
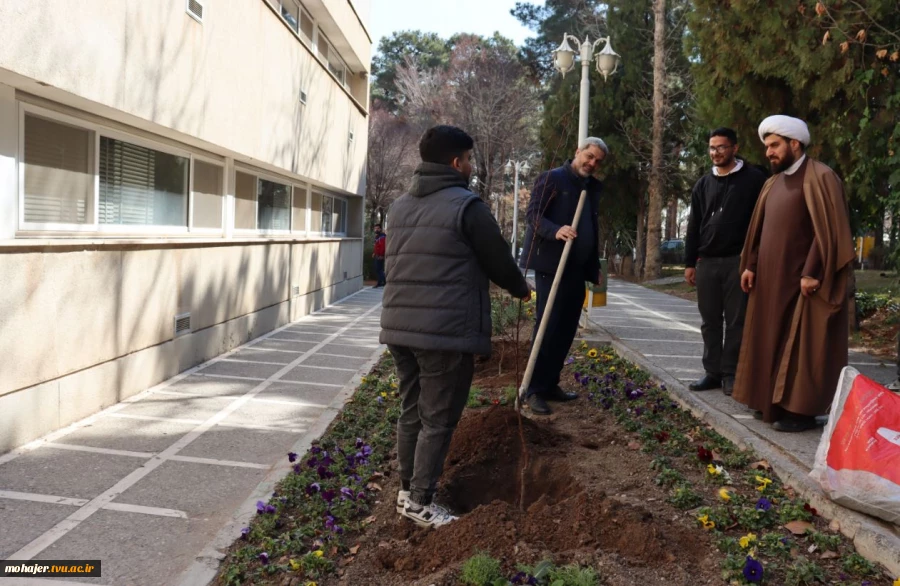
{"type": "Point", "coordinates": [554, 198]}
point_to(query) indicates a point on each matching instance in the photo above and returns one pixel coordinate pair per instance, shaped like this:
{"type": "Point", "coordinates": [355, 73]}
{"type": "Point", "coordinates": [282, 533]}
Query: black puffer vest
{"type": "Point", "coordinates": [436, 296]}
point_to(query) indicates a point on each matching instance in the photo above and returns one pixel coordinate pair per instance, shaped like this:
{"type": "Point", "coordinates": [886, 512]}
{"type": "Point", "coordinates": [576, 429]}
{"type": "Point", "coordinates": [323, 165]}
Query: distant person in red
{"type": "Point", "coordinates": [378, 255]}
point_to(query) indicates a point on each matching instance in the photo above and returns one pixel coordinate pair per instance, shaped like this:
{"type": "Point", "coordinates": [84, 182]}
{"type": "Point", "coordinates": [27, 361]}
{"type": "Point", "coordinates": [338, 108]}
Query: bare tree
{"type": "Point", "coordinates": [390, 162]}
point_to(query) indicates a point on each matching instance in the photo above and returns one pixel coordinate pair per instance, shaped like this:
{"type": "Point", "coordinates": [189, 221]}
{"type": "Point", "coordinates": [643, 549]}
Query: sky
{"type": "Point", "coordinates": [482, 17]}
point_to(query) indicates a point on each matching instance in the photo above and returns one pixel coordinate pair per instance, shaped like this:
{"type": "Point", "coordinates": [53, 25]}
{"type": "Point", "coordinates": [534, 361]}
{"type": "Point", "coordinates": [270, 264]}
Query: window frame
{"type": "Point", "coordinates": [94, 227]}
{"type": "Point", "coordinates": [342, 81]}
{"type": "Point", "coordinates": [274, 178]}
{"type": "Point", "coordinates": [344, 204]}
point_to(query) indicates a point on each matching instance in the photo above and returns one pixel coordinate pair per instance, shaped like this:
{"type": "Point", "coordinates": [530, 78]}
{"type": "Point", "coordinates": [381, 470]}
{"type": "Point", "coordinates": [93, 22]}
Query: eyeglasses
{"type": "Point", "coordinates": [721, 148]}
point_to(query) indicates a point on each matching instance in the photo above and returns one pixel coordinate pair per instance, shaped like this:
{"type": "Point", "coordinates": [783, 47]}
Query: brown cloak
{"type": "Point", "coordinates": [815, 340]}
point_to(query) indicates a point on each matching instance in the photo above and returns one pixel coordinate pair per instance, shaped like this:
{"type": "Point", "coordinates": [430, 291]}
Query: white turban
{"type": "Point", "coordinates": [785, 126]}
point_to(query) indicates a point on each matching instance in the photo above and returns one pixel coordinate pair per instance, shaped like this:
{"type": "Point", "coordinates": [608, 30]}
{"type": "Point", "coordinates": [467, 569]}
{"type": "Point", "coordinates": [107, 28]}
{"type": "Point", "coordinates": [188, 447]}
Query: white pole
{"type": "Point", "coordinates": [515, 213]}
{"type": "Point", "coordinates": [586, 49]}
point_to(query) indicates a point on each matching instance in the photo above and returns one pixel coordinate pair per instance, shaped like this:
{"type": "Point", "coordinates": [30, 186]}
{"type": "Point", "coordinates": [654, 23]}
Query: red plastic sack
{"type": "Point", "coordinates": [858, 459]}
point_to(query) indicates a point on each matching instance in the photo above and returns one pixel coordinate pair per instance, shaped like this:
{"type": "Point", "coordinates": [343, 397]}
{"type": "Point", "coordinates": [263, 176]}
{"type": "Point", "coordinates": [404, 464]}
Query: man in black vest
{"type": "Point", "coordinates": [444, 250]}
{"type": "Point", "coordinates": [722, 204]}
{"type": "Point", "coordinates": [550, 214]}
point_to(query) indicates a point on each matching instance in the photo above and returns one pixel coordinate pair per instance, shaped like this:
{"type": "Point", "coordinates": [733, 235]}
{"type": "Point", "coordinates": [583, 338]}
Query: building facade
{"type": "Point", "coordinates": [176, 177]}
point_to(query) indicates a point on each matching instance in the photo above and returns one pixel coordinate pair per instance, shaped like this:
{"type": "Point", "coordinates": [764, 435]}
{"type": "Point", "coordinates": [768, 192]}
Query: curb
{"type": "Point", "coordinates": [875, 540]}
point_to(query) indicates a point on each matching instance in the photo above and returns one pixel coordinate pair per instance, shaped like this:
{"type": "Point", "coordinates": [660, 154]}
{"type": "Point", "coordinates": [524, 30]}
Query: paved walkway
{"type": "Point", "coordinates": [666, 330]}
{"type": "Point", "coordinates": [158, 485]}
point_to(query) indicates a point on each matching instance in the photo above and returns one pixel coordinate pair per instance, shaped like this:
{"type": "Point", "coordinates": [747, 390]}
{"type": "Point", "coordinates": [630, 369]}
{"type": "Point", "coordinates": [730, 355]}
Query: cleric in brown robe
{"type": "Point", "coordinates": [796, 265]}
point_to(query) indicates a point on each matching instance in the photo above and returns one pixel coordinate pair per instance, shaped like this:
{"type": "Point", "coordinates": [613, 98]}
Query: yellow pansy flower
{"type": "Point", "coordinates": [295, 565]}
{"type": "Point", "coordinates": [318, 553]}
{"type": "Point", "coordinates": [383, 394]}
{"type": "Point", "coordinates": [897, 582]}
{"type": "Point", "coordinates": [746, 540]}
{"type": "Point", "coordinates": [724, 494]}
{"type": "Point", "coordinates": [592, 352]}
{"type": "Point", "coordinates": [707, 524]}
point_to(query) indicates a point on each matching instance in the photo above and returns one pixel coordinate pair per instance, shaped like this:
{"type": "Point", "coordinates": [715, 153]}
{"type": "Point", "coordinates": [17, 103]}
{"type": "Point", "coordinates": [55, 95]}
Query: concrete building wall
{"type": "Point", "coordinates": [87, 313]}
{"type": "Point", "coordinates": [230, 84]}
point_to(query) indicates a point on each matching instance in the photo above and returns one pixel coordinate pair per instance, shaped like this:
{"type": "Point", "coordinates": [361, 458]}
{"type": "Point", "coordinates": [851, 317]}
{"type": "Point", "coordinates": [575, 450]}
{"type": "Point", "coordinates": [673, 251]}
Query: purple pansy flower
{"type": "Point", "coordinates": [328, 495]}
{"type": "Point", "coordinates": [245, 532]}
{"type": "Point", "coordinates": [753, 570]}
{"type": "Point", "coordinates": [313, 488]}
{"type": "Point", "coordinates": [763, 504]}
{"type": "Point", "coordinates": [260, 507]}
{"type": "Point", "coordinates": [346, 492]}
{"type": "Point", "coordinates": [359, 443]}
{"type": "Point", "coordinates": [315, 450]}
{"type": "Point", "coordinates": [264, 558]}
{"type": "Point", "coordinates": [292, 457]}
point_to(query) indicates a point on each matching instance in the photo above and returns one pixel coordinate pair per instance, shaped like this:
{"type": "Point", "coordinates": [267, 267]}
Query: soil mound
{"type": "Point", "coordinates": [560, 514]}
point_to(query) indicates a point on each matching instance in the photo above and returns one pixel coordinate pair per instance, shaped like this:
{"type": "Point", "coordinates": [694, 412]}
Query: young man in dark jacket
{"type": "Point", "coordinates": [722, 204]}
{"type": "Point", "coordinates": [549, 217]}
{"type": "Point", "coordinates": [444, 250]}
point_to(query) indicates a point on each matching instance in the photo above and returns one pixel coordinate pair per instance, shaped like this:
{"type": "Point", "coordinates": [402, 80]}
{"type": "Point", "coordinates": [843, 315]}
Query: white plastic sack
{"type": "Point", "coordinates": [858, 459]}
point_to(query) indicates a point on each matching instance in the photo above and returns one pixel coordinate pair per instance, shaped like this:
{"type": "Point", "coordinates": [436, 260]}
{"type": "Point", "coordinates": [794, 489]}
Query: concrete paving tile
{"type": "Point", "coordinates": [319, 375]}
{"type": "Point", "coordinates": [349, 350]}
{"type": "Point", "coordinates": [274, 414]}
{"type": "Point", "coordinates": [335, 361]}
{"type": "Point", "coordinates": [241, 369]}
{"type": "Point", "coordinates": [178, 407]}
{"type": "Point", "coordinates": [306, 392]}
{"type": "Point", "coordinates": [136, 550]}
{"type": "Point", "coordinates": [241, 445]}
{"type": "Point", "coordinates": [315, 337]}
{"type": "Point", "coordinates": [262, 355]}
{"type": "Point", "coordinates": [289, 345]}
{"type": "Point", "coordinates": [660, 334]}
{"type": "Point", "coordinates": [24, 521]}
{"type": "Point", "coordinates": [66, 473]}
{"type": "Point", "coordinates": [203, 385]}
{"type": "Point", "coordinates": [128, 434]}
{"type": "Point", "coordinates": [199, 490]}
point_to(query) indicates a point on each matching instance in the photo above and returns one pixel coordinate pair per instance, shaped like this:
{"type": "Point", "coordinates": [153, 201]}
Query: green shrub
{"type": "Point", "coordinates": [481, 570]}
{"type": "Point", "coordinates": [574, 576]}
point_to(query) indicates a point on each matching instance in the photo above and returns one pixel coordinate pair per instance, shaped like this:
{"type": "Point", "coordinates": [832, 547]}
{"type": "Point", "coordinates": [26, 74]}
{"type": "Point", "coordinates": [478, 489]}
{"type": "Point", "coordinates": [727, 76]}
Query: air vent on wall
{"type": "Point", "coordinates": [182, 324]}
{"type": "Point", "coordinates": [352, 136]}
{"type": "Point", "coordinates": [295, 290]}
{"type": "Point", "coordinates": [302, 97]}
{"type": "Point", "coordinates": [195, 9]}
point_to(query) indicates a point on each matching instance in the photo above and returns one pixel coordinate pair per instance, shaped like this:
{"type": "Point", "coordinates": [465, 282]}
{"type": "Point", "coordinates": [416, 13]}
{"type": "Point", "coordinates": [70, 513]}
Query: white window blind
{"type": "Point", "coordinates": [245, 201]}
{"type": "Point", "coordinates": [141, 186]}
{"type": "Point", "coordinates": [299, 209]}
{"type": "Point", "coordinates": [59, 178]}
{"type": "Point", "coordinates": [327, 209]}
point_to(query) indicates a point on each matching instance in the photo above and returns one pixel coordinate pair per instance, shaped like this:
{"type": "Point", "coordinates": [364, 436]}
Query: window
{"type": "Point", "coordinates": [307, 26]}
{"type": "Point", "coordinates": [207, 195]}
{"type": "Point", "coordinates": [58, 173]}
{"type": "Point", "coordinates": [290, 10]}
{"type": "Point", "coordinates": [260, 203]}
{"type": "Point", "coordinates": [274, 211]}
{"type": "Point", "coordinates": [332, 219]}
{"type": "Point", "coordinates": [331, 58]}
{"type": "Point", "coordinates": [141, 186]}
{"type": "Point", "coordinates": [245, 201]}
{"type": "Point", "coordinates": [315, 207]}
{"type": "Point", "coordinates": [299, 210]}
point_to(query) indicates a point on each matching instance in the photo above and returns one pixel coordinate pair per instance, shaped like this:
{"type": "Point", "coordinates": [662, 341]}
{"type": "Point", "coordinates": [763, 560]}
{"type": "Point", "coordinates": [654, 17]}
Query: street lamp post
{"type": "Point", "coordinates": [564, 61]}
{"type": "Point", "coordinates": [517, 166]}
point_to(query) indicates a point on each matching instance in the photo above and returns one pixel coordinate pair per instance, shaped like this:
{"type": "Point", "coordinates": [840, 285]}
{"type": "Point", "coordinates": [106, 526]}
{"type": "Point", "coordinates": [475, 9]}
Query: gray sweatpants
{"type": "Point", "coordinates": [434, 388]}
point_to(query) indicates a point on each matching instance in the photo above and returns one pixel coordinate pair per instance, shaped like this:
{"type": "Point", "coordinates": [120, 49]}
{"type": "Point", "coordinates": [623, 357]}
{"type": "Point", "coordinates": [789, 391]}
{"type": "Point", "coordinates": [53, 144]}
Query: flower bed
{"type": "Point", "coordinates": [621, 487]}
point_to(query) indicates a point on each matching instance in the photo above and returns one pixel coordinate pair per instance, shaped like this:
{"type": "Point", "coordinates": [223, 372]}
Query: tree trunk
{"type": "Point", "coordinates": [638, 263]}
{"type": "Point", "coordinates": [653, 264]}
{"type": "Point", "coordinates": [672, 219]}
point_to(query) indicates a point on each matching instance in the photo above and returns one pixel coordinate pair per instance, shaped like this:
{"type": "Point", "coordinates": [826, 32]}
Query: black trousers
{"type": "Point", "coordinates": [722, 306]}
{"type": "Point", "coordinates": [561, 328]}
{"type": "Point", "coordinates": [378, 264]}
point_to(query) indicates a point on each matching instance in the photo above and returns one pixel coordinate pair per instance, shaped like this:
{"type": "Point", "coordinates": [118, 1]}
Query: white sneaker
{"type": "Point", "coordinates": [427, 516]}
{"type": "Point", "coordinates": [402, 497]}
